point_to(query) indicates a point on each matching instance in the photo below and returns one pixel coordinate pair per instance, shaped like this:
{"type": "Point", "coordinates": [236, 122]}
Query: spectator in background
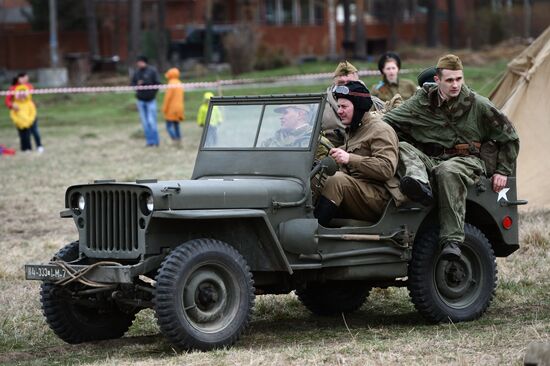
{"type": "Point", "coordinates": [25, 101]}
{"type": "Point", "coordinates": [23, 114]}
{"type": "Point", "coordinates": [390, 85]}
{"type": "Point", "coordinates": [173, 105]}
{"type": "Point", "coordinates": [146, 102]}
{"type": "Point", "coordinates": [215, 119]}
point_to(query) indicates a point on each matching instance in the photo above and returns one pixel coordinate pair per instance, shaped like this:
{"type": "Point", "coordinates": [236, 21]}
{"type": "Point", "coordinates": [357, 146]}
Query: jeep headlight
{"type": "Point", "coordinates": [81, 202]}
{"type": "Point", "coordinates": [78, 201]}
{"type": "Point", "coordinates": [147, 204]}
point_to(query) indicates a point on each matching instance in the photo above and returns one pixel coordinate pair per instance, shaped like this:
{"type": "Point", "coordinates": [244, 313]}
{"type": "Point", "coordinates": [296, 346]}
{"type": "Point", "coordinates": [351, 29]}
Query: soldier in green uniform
{"type": "Point", "coordinates": [368, 160]}
{"type": "Point", "coordinates": [296, 129]}
{"type": "Point", "coordinates": [390, 85]}
{"type": "Point", "coordinates": [447, 123]}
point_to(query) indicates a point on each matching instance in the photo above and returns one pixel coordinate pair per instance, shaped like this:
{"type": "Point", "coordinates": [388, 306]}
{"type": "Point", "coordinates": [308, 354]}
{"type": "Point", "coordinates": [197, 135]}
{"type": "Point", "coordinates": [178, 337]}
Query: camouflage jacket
{"type": "Point", "coordinates": [424, 119]}
{"type": "Point", "coordinates": [298, 138]}
{"type": "Point", "coordinates": [386, 91]}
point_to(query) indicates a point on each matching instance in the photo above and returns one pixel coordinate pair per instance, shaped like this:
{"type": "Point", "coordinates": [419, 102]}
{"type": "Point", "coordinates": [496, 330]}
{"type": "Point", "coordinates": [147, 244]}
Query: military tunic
{"type": "Point", "coordinates": [298, 137]}
{"type": "Point", "coordinates": [359, 187]}
{"type": "Point", "coordinates": [386, 90]}
{"type": "Point", "coordinates": [424, 120]}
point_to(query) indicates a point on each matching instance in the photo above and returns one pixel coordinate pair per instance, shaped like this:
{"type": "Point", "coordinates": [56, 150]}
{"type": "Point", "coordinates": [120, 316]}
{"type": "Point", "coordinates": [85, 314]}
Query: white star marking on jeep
{"type": "Point", "coordinates": [502, 194]}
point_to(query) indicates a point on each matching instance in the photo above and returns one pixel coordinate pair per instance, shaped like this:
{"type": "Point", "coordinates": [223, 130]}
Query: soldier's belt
{"type": "Point", "coordinates": [463, 150]}
{"type": "Point", "coordinates": [437, 150]}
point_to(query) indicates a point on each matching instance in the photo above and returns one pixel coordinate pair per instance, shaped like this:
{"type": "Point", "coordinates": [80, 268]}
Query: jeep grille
{"type": "Point", "coordinates": [112, 217]}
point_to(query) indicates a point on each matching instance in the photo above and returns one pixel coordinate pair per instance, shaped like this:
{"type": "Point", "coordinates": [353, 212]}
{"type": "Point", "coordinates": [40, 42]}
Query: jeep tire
{"type": "Point", "coordinates": [75, 322]}
{"type": "Point", "coordinates": [204, 295]}
{"type": "Point", "coordinates": [452, 290]}
{"type": "Point", "coordinates": [333, 297]}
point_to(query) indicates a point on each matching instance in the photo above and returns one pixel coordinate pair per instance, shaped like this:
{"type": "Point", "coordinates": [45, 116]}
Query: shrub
{"type": "Point", "coordinates": [240, 46]}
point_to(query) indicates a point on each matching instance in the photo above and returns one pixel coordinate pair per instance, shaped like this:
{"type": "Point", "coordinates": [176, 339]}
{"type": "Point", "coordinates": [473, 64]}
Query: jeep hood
{"type": "Point", "coordinates": [224, 193]}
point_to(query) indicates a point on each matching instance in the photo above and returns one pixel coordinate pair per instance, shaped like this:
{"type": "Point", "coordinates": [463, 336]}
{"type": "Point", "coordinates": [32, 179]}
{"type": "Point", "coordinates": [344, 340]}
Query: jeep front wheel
{"type": "Point", "coordinates": [333, 297]}
{"type": "Point", "coordinates": [77, 319]}
{"type": "Point", "coordinates": [452, 290]}
{"type": "Point", "coordinates": [204, 295]}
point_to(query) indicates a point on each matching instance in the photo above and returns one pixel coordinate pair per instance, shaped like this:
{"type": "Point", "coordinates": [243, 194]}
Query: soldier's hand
{"type": "Point", "coordinates": [341, 156]}
{"type": "Point", "coordinates": [499, 182]}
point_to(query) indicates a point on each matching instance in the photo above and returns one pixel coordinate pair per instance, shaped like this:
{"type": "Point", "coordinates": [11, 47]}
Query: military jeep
{"type": "Point", "coordinates": [198, 251]}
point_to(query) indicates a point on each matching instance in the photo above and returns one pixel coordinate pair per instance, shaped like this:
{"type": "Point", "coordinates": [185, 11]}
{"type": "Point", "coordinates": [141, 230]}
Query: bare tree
{"type": "Point", "coordinates": [347, 26]}
{"type": "Point", "coordinates": [209, 36]}
{"type": "Point", "coordinates": [393, 10]}
{"type": "Point", "coordinates": [451, 14]}
{"type": "Point", "coordinates": [527, 18]}
{"type": "Point", "coordinates": [431, 23]}
{"type": "Point", "coordinates": [134, 44]}
{"type": "Point", "coordinates": [91, 25]}
{"type": "Point", "coordinates": [360, 33]}
{"type": "Point", "coordinates": [161, 35]}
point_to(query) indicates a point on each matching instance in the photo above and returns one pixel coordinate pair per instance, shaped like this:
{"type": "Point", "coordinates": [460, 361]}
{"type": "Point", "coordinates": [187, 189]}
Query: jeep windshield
{"type": "Point", "coordinates": [287, 126]}
{"type": "Point", "coordinates": [271, 135]}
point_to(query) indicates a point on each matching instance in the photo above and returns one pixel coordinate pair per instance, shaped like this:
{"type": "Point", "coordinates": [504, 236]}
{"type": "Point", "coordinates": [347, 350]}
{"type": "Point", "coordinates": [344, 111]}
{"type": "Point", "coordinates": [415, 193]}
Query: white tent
{"type": "Point", "coordinates": [523, 95]}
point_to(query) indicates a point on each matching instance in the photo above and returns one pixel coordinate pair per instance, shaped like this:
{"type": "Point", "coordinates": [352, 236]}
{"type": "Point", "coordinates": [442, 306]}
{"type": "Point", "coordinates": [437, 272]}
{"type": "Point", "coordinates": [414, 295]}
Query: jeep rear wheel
{"type": "Point", "coordinates": [81, 319]}
{"type": "Point", "coordinates": [204, 295]}
{"type": "Point", "coordinates": [333, 297]}
{"type": "Point", "coordinates": [452, 290]}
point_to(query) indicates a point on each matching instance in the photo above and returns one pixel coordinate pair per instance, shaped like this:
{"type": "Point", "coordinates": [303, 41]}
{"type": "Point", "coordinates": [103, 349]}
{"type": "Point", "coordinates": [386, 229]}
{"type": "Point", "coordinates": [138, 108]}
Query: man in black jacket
{"type": "Point", "coordinates": [146, 102]}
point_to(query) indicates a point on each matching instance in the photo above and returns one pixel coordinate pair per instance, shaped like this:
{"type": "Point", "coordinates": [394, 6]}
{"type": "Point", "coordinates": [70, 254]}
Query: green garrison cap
{"type": "Point", "coordinates": [344, 68]}
{"type": "Point", "coordinates": [426, 76]}
{"type": "Point", "coordinates": [449, 62]}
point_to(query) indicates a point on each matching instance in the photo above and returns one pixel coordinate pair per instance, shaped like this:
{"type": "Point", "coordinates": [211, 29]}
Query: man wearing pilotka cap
{"type": "Point", "coordinates": [368, 160]}
{"type": "Point", "coordinates": [447, 123]}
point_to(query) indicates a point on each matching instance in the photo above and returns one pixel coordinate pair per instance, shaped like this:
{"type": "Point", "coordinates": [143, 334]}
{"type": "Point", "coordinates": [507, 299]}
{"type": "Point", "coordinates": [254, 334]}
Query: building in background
{"type": "Point", "coordinates": [297, 28]}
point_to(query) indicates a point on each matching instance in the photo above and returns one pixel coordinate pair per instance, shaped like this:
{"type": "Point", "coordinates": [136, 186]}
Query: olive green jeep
{"type": "Point", "coordinates": [198, 251]}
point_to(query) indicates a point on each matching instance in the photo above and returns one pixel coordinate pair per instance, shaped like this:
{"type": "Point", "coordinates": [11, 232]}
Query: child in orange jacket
{"type": "Point", "coordinates": [173, 105]}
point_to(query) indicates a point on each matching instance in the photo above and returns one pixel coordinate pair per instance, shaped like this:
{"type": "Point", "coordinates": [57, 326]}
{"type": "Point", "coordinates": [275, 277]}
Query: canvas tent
{"type": "Point", "coordinates": [523, 95]}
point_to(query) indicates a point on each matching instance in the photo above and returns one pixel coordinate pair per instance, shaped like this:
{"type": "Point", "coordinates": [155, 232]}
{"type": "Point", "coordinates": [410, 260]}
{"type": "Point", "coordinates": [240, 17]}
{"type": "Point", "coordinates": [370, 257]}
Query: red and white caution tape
{"type": "Point", "coordinates": [190, 86]}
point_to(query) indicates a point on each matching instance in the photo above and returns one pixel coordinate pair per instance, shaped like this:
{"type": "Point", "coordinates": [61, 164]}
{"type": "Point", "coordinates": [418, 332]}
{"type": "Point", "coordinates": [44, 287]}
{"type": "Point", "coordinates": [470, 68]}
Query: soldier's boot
{"type": "Point", "coordinates": [451, 250]}
{"type": "Point", "coordinates": [416, 191]}
{"type": "Point", "coordinates": [325, 211]}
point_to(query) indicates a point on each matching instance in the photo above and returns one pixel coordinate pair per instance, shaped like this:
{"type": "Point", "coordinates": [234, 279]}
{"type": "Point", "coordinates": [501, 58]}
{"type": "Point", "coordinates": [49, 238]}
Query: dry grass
{"type": "Point", "coordinates": [387, 330]}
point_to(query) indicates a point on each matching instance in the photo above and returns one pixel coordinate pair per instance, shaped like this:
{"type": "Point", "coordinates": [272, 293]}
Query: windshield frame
{"type": "Point", "coordinates": [265, 102]}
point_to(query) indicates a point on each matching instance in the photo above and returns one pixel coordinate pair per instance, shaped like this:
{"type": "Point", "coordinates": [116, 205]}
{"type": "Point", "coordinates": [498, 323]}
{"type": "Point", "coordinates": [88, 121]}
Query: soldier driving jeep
{"type": "Point", "coordinates": [455, 136]}
{"type": "Point", "coordinates": [368, 160]}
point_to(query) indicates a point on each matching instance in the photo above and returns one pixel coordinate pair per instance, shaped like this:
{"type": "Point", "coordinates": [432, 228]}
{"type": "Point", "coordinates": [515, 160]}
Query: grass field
{"type": "Point", "coordinates": [98, 136]}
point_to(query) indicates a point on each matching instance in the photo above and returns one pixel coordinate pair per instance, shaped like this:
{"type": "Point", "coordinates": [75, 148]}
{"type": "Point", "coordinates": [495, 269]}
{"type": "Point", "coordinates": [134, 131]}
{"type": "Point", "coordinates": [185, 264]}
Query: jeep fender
{"type": "Point", "coordinates": [247, 230]}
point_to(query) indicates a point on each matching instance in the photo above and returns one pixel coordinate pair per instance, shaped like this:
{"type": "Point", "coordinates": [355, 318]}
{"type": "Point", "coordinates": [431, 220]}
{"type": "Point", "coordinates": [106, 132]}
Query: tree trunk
{"type": "Point", "coordinates": [526, 18]}
{"type": "Point", "coordinates": [431, 24]}
{"type": "Point", "coordinates": [135, 31]}
{"type": "Point", "coordinates": [332, 30]}
{"type": "Point", "coordinates": [392, 12]}
{"type": "Point", "coordinates": [54, 56]}
{"type": "Point", "coordinates": [360, 33]}
{"type": "Point", "coordinates": [208, 37]}
{"type": "Point", "coordinates": [451, 14]}
{"type": "Point", "coordinates": [161, 35]}
{"type": "Point", "coordinates": [91, 25]}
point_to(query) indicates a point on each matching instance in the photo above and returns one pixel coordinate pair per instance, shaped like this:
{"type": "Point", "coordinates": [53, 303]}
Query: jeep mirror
{"type": "Point", "coordinates": [327, 166]}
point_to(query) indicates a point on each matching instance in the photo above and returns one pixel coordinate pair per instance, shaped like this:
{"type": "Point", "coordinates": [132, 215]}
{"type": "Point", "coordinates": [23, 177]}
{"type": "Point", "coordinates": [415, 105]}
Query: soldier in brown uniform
{"type": "Point", "coordinates": [333, 128]}
{"type": "Point", "coordinates": [368, 160]}
{"type": "Point", "coordinates": [390, 85]}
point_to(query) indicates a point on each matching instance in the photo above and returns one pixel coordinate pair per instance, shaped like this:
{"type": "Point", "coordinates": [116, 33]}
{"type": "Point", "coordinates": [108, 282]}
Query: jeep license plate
{"type": "Point", "coordinates": [49, 272]}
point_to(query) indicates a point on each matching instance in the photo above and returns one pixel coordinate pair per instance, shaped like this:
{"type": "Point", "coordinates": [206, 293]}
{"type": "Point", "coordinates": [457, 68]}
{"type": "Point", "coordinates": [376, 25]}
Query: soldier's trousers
{"type": "Point", "coordinates": [451, 178]}
{"type": "Point", "coordinates": [356, 198]}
